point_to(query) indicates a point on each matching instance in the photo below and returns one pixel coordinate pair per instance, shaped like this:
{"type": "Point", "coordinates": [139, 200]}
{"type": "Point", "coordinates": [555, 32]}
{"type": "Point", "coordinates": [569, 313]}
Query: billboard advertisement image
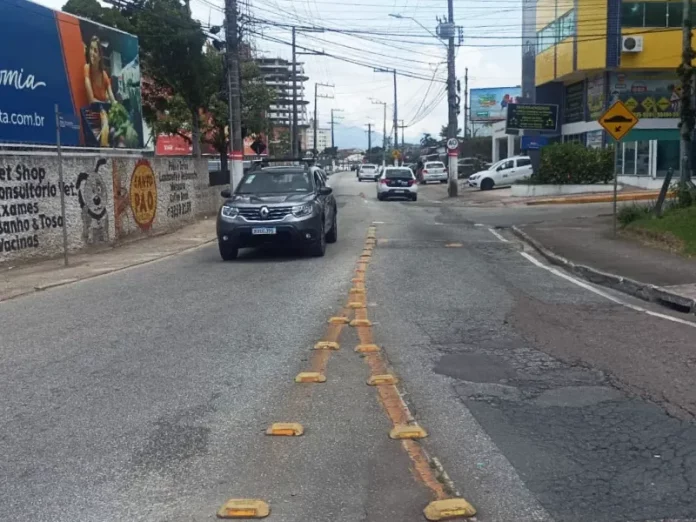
{"type": "Point", "coordinates": [90, 71]}
{"type": "Point", "coordinates": [490, 104]}
{"type": "Point", "coordinates": [647, 94]}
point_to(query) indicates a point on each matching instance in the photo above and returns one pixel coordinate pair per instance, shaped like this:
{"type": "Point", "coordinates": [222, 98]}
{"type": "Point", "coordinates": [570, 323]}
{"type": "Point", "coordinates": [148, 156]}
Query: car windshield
{"type": "Point", "coordinates": [268, 182]}
{"type": "Point", "coordinates": [497, 164]}
{"type": "Point", "coordinates": [398, 174]}
{"type": "Point", "coordinates": [369, 167]}
{"type": "Point", "coordinates": [435, 165]}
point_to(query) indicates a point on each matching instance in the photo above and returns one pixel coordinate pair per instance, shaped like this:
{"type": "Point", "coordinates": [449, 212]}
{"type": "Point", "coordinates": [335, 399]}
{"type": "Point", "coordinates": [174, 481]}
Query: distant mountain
{"type": "Point", "coordinates": [349, 137]}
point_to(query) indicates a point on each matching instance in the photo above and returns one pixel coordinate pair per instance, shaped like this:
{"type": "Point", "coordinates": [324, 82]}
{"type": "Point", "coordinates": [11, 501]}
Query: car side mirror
{"type": "Point", "coordinates": [325, 191]}
{"type": "Point", "coordinates": [226, 193]}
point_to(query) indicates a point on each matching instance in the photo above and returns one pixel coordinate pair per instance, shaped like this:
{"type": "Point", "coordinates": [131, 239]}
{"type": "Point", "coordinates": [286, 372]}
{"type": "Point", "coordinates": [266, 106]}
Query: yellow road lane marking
{"type": "Point", "coordinates": [402, 420]}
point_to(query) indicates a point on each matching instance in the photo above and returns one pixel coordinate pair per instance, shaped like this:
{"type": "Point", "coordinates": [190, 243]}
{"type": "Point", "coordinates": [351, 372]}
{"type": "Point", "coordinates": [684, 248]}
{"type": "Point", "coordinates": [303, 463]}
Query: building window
{"type": "Point", "coordinates": [632, 14]}
{"type": "Point", "coordinates": [655, 14]}
{"type": "Point", "coordinates": [675, 12]}
{"type": "Point", "coordinates": [651, 14]}
{"type": "Point", "coordinates": [556, 31]}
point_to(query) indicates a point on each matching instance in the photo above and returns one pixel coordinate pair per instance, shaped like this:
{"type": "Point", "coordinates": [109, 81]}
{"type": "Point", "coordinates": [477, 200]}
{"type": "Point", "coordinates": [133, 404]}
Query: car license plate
{"type": "Point", "coordinates": [263, 231]}
{"type": "Point", "coordinates": [399, 191]}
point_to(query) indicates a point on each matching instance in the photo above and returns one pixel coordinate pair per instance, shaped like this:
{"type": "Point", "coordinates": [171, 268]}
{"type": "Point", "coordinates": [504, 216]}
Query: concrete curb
{"type": "Point", "coordinates": [69, 281]}
{"type": "Point", "coordinates": [645, 291]}
{"type": "Point", "coordinates": [604, 198]}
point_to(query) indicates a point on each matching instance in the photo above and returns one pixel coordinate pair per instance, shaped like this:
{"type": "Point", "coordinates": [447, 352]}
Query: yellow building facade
{"type": "Point", "coordinates": [590, 53]}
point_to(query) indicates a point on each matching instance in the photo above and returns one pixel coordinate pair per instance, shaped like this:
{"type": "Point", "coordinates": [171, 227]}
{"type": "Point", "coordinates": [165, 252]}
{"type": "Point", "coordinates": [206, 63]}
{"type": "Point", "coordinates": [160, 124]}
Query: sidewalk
{"type": "Point", "coordinates": [28, 278]}
{"type": "Point", "coordinates": [587, 248]}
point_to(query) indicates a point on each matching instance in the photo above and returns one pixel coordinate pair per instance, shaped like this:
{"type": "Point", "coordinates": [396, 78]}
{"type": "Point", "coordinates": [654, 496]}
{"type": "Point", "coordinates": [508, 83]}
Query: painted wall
{"type": "Point", "coordinates": [591, 31]}
{"type": "Point", "coordinates": [106, 200]}
{"type": "Point", "coordinates": [544, 68]}
{"type": "Point", "coordinates": [661, 50]}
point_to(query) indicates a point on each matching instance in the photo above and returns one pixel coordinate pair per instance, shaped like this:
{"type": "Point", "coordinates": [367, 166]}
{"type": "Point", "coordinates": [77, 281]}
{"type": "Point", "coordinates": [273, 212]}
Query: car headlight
{"type": "Point", "coordinates": [229, 212]}
{"type": "Point", "coordinates": [302, 210]}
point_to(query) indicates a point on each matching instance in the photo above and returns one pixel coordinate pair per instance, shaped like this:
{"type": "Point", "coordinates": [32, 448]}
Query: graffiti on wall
{"type": "Point", "coordinates": [143, 194]}
{"type": "Point", "coordinates": [92, 196]}
{"type": "Point", "coordinates": [179, 172]}
{"type": "Point", "coordinates": [24, 191]}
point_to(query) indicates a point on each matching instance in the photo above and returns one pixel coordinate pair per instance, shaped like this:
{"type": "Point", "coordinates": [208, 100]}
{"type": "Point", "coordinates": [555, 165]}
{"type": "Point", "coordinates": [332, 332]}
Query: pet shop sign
{"type": "Point", "coordinates": [143, 194]}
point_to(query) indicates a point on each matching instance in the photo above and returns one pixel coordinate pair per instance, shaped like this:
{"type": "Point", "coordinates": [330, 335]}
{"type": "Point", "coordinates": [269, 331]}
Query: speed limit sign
{"type": "Point", "coordinates": [452, 143]}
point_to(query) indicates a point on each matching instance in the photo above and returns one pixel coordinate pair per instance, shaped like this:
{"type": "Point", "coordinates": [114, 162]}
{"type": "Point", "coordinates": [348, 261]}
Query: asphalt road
{"type": "Point", "coordinates": [145, 395]}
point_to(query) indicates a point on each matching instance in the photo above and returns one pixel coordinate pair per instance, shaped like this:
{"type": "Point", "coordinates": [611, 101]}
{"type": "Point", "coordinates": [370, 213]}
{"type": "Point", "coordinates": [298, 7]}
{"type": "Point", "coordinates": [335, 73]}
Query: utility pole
{"type": "Point", "coordinates": [452, 188]}
{"type": "Point", "coordinates": [232, 43]}
{"type": "Point", "coordinates": [384, 131]}
{"type": "Point", "coordinates": [466, 102]}
{"type": "Point", "coordinates": [396, 117]}
{"type": "Point", "coordinates": [293, 133]}
{"type": "Point", "coordinates": [333, 120]}
{"type": "Point", "coordinates": [686, 125]}
{"type": "Point", "coordinates": [295, 126]}
{"type": "Point", "coordinates": [396, 122]}
{"type": "Point", "coordinates": [316, 97]}
{"type": "Point", "coordinates": [403, 129]}
{"type": "Point", "coordinates": [369, 141]}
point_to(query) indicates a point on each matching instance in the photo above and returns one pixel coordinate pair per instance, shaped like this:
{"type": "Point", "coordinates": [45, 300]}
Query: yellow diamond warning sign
{"type": "Point", "coordinates": [618, 120]}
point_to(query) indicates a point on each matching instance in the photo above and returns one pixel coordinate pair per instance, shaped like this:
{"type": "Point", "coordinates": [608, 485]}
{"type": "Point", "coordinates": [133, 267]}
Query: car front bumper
{"type": "Point", "coordinates": [299, 232]}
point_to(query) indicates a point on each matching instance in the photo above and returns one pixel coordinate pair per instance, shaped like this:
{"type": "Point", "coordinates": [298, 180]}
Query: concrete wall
{"type": "Point", "coordinates": [107, 199]}
{"type": "Point", "coordinates": [527, 191]}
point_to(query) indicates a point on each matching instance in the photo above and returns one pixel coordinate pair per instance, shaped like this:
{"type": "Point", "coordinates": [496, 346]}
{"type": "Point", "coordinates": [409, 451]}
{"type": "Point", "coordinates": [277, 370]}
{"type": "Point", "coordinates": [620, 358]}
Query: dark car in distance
{"type": "Point", "coordinates": [287, 205]}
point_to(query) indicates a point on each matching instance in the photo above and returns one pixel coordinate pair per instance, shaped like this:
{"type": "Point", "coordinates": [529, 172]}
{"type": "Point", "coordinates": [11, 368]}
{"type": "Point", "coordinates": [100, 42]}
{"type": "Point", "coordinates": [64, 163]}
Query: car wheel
{"type": "Point", "coordinates": [332, 236]}
{"type": "Point", "coordinates": [415, 197]}
{"type": "Point", "coordinates": [443, 181]}
{"type": "Point", "coordinates": [380, 197]}
{"type": "Point", "coordinates": [487, 184]}
{"type": "Point", "coordinates": [318, 248]}
{"type": "Point", "coordinates": [227, 252]}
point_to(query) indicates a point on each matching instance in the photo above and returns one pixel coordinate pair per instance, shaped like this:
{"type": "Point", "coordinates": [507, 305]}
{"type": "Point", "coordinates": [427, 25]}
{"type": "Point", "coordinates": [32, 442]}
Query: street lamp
{"type": "Point", "coordinates": [402, 17]}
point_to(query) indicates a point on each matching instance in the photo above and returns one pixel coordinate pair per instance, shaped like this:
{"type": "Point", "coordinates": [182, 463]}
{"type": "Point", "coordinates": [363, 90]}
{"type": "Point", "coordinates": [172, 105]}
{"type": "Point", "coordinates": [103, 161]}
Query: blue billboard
{"type": "Point", "coordinates": [91, 72]}
{"type": "Point", "coordinates": [489, 104]}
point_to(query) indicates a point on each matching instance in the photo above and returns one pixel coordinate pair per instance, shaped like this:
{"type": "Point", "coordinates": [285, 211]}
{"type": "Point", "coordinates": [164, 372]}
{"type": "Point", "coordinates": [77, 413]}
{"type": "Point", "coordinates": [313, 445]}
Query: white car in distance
{"type": "Point", "coordinates": [397, 182]}
{"type": "Point", "coordinates": [502, 173]}
{"type": "Point", "coordinates": [434, 171]}
{"type": "Point", "coordinates": [368, 171]}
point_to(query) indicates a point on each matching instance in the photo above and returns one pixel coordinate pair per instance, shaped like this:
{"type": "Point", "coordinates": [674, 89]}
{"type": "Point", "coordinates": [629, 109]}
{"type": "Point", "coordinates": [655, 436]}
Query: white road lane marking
{"type": "Point", "coordinates": [496, 234]}
{"type": "Point", "coordinates": [597, 291]}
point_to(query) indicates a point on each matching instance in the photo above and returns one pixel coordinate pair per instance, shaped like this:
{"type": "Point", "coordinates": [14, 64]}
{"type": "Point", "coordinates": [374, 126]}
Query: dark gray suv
{"type": "Point", "coordinates": [288, 205]}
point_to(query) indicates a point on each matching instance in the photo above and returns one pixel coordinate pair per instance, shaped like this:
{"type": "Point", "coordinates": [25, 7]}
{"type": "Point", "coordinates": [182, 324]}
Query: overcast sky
{"type": "Point", "coordinates": [491, 50]}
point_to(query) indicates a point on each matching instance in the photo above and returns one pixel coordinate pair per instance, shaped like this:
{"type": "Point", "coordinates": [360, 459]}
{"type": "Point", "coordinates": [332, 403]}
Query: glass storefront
{"type": "Point", "coordinates": [648, 157]}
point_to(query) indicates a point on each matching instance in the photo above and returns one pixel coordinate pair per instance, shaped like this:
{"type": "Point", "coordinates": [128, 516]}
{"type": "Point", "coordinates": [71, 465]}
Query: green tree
{"type": "Point", "coordinates": [256, 99]}
{"type": "Point", "coordinates": [93, 10]}
{"type": "Point", "coordinates": [281, 146]}
{"type": "Point", "coordinates": [443, 132]}
{"type": "Point", "coordinates": [171, 50]}
{"type": "Point", "coordinates": [428, 141]}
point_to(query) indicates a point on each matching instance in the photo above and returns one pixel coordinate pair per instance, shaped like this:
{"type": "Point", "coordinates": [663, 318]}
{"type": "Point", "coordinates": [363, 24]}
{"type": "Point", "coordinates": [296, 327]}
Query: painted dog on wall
{"type": "Point", "coordinates": [92, 194]}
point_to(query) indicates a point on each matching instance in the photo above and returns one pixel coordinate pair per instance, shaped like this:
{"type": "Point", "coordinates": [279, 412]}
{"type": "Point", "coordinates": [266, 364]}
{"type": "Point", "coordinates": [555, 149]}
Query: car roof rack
{"type": "Point", "coordinates": [261, 163]}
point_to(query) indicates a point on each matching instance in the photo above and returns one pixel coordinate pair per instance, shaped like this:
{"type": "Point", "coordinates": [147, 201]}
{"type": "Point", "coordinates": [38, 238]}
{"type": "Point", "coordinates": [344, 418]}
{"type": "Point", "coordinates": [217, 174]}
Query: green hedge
{"type": "Point", "coordinates": [574, 164]}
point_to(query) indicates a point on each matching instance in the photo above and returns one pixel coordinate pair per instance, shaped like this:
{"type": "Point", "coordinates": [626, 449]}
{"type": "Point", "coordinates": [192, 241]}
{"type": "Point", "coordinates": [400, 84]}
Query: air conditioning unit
{"type": "Point", "coordinates": [631, 44]}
